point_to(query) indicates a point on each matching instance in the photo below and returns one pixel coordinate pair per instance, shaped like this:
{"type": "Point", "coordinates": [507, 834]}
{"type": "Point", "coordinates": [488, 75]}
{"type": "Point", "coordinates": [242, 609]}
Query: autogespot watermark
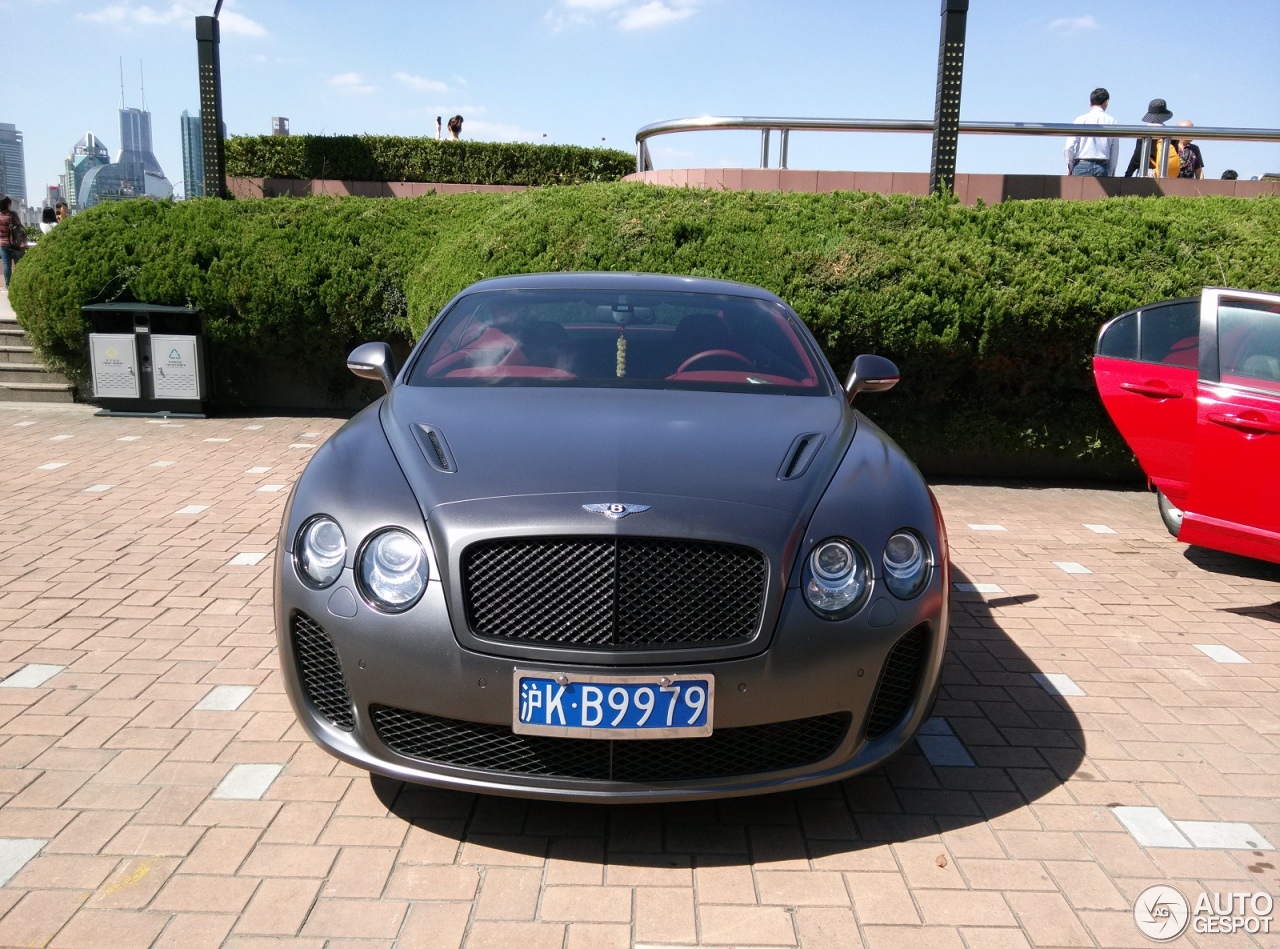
{"type": "Point", "coordinates": [1163, 913]}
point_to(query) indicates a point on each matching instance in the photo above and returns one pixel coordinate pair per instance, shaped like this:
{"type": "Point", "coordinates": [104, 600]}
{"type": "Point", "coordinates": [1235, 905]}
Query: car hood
{"type": "Point", "coordinates": [623, 445]}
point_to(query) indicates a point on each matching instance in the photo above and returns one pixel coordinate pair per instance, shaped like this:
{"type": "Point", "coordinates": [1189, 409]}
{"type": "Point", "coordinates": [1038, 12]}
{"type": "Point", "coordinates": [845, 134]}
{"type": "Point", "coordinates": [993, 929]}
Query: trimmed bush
{"type": "Point", "coordinates": [990, 312]}
{"type": "Point", "coordinates": [400, 158]}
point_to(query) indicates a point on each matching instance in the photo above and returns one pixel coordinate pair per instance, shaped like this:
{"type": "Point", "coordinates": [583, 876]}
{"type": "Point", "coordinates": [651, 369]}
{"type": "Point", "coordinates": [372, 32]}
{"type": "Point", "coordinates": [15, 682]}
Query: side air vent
{"type": "Point", "coordinates": [899, 681]}
{"type": "Point", "coordinates": [434, 448]}
{"type": "Point", "coordinates": [320, 671]}
{"type": "Point", "coordinates": [800, 456]}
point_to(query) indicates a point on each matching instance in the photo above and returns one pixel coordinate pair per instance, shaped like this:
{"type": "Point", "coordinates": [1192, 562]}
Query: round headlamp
{"type": "Point", "coordinates": [907, 561]}
{"type": "Point", "coordinates": [320, 551]}
{"type": "Point", "coordinates": [392, 569]}
{"type": "Point", "coordinates": [838, 578]}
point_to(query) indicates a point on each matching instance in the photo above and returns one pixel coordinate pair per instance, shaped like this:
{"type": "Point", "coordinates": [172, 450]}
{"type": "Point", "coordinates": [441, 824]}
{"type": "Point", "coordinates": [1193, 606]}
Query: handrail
{"type": "Point", "coordinates": [787, 125]}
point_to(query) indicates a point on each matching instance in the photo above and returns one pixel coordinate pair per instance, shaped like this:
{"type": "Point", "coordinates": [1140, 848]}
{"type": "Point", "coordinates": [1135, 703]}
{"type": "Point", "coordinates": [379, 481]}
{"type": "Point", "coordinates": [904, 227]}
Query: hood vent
{"type": "Point", "coordinates": [434, 448]}
{"type": "Point", "coordinates": [800, 456]}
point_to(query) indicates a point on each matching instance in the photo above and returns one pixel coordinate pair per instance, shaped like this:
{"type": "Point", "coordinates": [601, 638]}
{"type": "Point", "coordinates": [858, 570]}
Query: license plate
{"type": "Point", "coordinates": [589, 706]}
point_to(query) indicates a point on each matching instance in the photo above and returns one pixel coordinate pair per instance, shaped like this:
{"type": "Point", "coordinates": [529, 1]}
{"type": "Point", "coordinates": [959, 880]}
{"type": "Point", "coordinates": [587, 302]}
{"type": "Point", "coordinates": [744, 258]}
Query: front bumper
{"type": "Point", "coordinates": [412, 666]}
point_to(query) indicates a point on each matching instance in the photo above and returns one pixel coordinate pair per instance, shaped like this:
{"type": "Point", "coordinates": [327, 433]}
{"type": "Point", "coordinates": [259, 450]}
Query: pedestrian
{"type": "Point", "coordinates": [1190, 161]}
{"type": "Point", "coordinates": [61, 211]}
{"type": "Point", "coordinates": [48, 219]}
{"type": "Point", "coordinates": [439, 128]}
{"type": "Point", "coordinates": [1230, 175]}
{"type": "Point", "coordinates": [455, 128]}
{"type": "Point", "coordinates": [1088, 155]}
{"type": "Point", "coordinates": [13, 238]}
{"type": "Point", "coordinates": [1157, 114]}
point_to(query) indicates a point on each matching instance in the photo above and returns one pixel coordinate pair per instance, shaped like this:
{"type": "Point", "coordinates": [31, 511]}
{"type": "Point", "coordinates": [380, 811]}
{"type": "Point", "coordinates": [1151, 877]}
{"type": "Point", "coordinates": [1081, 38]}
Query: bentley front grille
{"type": "Point", "coordinates": [729, 752]}
{"type": "Point", "coordinates": [899, 681]}
{"type": "Point", "coordinates": [320, 672]}
{"type": "Point", "coordinates": [613, 593]}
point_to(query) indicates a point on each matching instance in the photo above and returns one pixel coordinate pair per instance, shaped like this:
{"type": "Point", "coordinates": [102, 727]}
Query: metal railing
{"type": "Point", "coordinates": [785, 126]}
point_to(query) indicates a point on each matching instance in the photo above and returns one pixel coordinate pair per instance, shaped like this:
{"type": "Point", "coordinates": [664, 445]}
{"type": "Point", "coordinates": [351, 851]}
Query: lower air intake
{"type": "Point", "coordinates": [899, 681]}
{"type": "Point", "coordinates": [320, 672]}
{"type": "Point", "coordinates": [756, 749]}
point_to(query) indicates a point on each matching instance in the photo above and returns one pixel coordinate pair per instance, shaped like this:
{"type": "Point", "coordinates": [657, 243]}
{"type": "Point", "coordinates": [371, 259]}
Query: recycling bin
{"type": "Point", "coordinates": [147, 359]}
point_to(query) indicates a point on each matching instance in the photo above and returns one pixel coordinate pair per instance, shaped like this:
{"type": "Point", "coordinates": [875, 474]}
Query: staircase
{"type": "Point", "coordinates": [22, 376]}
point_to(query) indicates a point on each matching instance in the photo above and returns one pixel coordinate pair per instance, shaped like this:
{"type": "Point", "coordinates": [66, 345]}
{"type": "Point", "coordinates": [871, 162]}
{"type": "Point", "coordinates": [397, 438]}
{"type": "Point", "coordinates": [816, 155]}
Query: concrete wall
{"type": "Point", "coordinates": [969, 188]}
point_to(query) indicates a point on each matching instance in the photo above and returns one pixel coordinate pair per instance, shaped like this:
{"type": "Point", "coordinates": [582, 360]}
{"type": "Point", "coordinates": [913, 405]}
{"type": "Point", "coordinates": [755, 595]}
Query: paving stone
{"type": "Point", "coordinates": [246, 782]}
{"type": "Point", "coordinates": [15, 852]}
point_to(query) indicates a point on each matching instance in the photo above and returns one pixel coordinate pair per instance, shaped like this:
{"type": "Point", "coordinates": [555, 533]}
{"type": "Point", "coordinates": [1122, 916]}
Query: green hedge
{"type": "Point", "coordinates": [400, 158]}
{"type": "Point", "coordinates": [990, 312]}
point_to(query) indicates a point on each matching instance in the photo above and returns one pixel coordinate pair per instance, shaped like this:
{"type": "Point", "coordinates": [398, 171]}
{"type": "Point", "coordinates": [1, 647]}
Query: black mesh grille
{"type": "Point", "coordinates": [899, 681]}
{"type": "Point", "coordinates": [624, 593]}
{"type": "Point", "coordinates": [320, 671]}
{"type": "Point", "coordinates": [757, 749]}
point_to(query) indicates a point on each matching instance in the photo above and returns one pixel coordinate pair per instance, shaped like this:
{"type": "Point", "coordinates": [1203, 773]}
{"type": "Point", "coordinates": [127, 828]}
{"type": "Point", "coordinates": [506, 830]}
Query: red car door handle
{"type": "Point", "coordinates": [1255, 423]}
{"type": "Point", "coordinates": [1156, 390]}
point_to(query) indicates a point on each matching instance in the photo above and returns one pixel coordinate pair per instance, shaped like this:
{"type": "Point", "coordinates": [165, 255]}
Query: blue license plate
{"type": "Point", "coordinates": [576, 706]}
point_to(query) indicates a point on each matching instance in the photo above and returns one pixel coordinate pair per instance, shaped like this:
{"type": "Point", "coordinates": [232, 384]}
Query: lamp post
{"type": "Point", "coordinates": [212, 137]}
{"type": "Point", "coordinates": [946, 109]}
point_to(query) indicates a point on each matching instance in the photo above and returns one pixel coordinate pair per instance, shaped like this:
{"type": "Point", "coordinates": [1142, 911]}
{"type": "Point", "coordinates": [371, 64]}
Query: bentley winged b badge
{"type": "Point", "coordinates": [616, 510]}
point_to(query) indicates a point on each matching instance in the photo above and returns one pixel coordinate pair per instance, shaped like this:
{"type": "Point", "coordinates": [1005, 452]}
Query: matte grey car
{"type": "Point", "coordinates": [615, 537]}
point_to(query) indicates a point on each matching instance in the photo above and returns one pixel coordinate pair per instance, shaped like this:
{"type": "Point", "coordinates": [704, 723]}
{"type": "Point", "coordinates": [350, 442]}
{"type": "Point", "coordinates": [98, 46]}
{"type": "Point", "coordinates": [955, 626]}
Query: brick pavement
{"type": "Point", "coordinates": [156, 791]}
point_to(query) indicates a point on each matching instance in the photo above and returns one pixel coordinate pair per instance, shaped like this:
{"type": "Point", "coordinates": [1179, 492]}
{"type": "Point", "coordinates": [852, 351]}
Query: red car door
{"type": "Point", "coordinates": [1145, 365]}
{"type": "Point", "coordinates": [1234, 502]}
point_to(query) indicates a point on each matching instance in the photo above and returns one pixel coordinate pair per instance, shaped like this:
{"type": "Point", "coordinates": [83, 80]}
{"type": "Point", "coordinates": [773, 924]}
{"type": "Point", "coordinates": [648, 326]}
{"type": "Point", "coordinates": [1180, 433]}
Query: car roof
{"type": "Point", "coordinates": [632, 282]}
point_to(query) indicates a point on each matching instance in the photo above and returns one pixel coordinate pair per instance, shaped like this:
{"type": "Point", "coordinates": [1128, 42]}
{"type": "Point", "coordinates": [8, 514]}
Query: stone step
{"type": "Point", "coordinates": [35, 392]}
{"type": "Point", "coordinates": [24, 355]}
{"type": "Point", "coordinates": [31, 372]}
{"type": "Point", "coordinates": [11, 331]}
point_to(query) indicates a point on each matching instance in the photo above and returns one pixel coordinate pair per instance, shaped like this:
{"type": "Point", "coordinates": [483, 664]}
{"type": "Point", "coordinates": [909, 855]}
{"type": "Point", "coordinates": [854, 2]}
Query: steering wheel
{"type": "Point", "coordinates": [728, 355]}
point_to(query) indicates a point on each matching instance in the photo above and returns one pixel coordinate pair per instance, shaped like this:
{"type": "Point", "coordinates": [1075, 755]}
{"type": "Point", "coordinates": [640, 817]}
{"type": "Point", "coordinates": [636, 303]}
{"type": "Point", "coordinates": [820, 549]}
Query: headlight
{"type": "Point", "coordinates": [838, 578]}
{"type": "Point", "coordinates": [393, 570]}
{"type": "Point", "coordinates": [906, 564]}
{"type": "Point", "coordinates": [320, 551]}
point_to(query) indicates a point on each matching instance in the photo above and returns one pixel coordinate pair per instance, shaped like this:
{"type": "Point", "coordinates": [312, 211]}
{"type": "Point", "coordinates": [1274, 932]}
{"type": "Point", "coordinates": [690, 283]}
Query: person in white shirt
{"type": "Point", "coordinates": [1089, 155]}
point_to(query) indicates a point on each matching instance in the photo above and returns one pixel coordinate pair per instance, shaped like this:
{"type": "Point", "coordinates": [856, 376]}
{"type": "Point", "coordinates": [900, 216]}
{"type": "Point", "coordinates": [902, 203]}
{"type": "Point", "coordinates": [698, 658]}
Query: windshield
{"type": "Point", "coordinates": [595, 338]}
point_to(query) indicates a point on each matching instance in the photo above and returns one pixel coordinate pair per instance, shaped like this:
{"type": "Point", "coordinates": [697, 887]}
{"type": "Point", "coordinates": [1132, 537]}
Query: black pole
{"type": "Point", "coordinates": [946, 109]}
{"type": "Point", "coordinates": [211, 125]}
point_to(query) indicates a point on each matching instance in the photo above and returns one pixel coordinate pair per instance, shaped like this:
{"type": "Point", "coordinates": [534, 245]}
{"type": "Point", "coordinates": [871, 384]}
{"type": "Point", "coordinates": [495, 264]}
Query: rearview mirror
{"type": "Point", "coordinates": [871, 374]}
{"type": "Point", "coordinates": [373, 361]}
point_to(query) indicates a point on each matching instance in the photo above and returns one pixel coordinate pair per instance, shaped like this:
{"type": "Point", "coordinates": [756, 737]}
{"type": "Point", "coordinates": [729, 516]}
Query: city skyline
{"type": "Point", "coordinates": [591, 72]}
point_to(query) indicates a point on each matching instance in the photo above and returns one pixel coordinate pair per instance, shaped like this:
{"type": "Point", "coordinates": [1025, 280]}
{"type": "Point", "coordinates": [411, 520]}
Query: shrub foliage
{"type": "Point", "coordinates": [400, 158]}
{"type": "Point", "coordinates": [990, 312]}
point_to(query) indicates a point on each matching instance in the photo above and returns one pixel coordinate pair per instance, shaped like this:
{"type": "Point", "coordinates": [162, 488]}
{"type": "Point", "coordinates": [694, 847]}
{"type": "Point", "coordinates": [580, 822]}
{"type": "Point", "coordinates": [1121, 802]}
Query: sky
{"type": "Point", "coordinates": [592, 72]}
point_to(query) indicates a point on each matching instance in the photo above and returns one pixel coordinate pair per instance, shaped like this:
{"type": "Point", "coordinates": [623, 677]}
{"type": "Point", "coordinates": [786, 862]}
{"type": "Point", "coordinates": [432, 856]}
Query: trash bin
{"type": "Point", "coordinates": [147, 359]}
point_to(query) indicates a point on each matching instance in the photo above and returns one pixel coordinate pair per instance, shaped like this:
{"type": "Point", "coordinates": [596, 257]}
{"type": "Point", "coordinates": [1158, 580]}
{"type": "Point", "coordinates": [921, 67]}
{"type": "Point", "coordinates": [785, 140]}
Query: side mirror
{"type": "Point", "coordinates": [373, 361]}
{"type": "Point", "coordinates": [871, 374]}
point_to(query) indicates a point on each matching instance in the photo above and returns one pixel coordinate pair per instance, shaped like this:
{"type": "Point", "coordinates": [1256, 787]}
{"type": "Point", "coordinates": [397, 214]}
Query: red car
{"type": "Point", "coordinates": [1193, 385]}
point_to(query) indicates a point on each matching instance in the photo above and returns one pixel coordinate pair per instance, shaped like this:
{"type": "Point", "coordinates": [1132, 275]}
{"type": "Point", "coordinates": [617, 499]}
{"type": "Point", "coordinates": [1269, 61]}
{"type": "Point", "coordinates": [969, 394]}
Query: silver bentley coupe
{"type": "Point", "coordinates": [612, 537]}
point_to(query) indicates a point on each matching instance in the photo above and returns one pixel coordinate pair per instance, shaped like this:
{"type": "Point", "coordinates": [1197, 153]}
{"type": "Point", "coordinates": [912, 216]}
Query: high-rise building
{"type": "Point", "coordinates": [192, 156]}
{"type": "Point", "coordinates": [279, 125]}
{"type": "Point", "coordinates": [13, 163]}
{"type": "Point", "coordinates": [88, 153]}
{"type": "Point", "coordinates": [135, 141]}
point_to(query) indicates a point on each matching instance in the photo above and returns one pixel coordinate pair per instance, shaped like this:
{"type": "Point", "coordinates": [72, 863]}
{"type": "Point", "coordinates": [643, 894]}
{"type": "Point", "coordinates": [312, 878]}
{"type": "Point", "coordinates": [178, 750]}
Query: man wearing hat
{"type": "Point", "coordinates": [1089, 155]}
{"type": "Point", "coordinates": [1157, 114]}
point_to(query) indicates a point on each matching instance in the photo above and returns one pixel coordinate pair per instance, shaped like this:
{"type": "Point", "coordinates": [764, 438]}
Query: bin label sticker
{"type": "Point", "coordinates": [114, 366]}
{"type": "Point", "coordinates": [177, 374]}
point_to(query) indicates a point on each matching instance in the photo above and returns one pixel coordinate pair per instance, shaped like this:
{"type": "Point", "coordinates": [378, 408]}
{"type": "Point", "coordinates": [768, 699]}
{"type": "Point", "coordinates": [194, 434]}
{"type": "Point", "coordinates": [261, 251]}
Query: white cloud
{"type": "Point", "coordinates": [351, 82]}
{"type": "Point", "coordinates": [1073, 24]}
{"type": "Point", "coordinates": [655, 13]}
{"type": "Point", "coordinates": [421, 83]}
{"type": "Point", "coordinates": [625, 14]}
{"type": "Point", "coordinates": [126, 15]}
